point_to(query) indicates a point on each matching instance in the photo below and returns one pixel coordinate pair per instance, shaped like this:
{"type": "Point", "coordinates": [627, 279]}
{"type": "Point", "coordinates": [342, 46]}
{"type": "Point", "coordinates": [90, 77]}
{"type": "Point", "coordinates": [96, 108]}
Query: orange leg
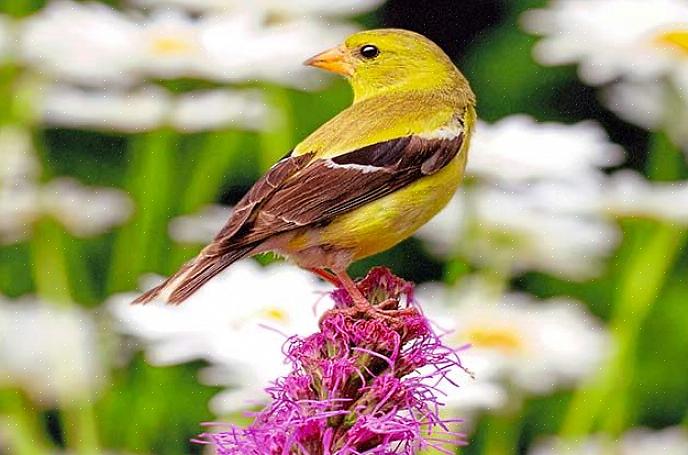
{"type": "Point", "coordinates": [359, 299]}
{"type": "Point", "coordinates": [327, 276]}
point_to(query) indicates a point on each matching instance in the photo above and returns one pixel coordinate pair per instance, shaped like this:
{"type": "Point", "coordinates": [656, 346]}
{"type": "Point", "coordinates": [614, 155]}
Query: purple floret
{"type": "Point", "coordinates": [355, 387]}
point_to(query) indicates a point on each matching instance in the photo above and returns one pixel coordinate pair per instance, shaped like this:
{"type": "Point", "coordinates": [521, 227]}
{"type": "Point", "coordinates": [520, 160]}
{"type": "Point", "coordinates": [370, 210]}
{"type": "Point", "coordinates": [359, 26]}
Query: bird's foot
{"type": "Point", "coordinates": [387, 310]}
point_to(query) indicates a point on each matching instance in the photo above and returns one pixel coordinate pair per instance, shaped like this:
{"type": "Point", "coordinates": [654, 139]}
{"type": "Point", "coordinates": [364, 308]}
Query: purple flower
{"type": "Point", "coordinates": [355, 386]}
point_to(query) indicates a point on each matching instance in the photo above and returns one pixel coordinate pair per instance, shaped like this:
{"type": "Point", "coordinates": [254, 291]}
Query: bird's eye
{"type": "Point", "coordinates": [369, 51]}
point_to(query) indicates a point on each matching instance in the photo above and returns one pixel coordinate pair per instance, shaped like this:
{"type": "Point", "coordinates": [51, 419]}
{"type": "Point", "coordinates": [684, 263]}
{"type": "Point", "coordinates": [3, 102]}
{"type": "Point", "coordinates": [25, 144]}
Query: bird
{"type": "Point", "coordinates": [363, 181]}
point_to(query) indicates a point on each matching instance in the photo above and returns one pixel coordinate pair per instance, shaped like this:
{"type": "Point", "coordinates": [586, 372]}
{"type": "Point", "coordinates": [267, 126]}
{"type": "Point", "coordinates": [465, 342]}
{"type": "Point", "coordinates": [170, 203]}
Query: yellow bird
{"type": "Point", "coordinates": [362, 182]}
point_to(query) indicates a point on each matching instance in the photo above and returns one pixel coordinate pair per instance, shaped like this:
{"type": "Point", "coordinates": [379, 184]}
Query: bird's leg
{"type": "Point", "coordinates": [360, 302]}
{"type": "Point", "coordinates": [327, 276]}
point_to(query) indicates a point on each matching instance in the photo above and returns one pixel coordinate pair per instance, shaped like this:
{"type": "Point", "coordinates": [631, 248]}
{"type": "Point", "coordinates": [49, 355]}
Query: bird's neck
{"type": "Point", "coordinates": [415, 83]}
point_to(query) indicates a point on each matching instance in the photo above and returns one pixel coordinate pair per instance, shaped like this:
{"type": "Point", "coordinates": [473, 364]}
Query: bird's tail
{"type": "Point", "coordinates": [191, 276]}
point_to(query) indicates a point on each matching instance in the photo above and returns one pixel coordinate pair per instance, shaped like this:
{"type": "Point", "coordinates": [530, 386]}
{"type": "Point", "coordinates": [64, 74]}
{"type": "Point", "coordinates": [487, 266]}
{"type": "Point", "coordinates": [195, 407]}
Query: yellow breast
{"type": "Point", "coordinates": [382, 224]}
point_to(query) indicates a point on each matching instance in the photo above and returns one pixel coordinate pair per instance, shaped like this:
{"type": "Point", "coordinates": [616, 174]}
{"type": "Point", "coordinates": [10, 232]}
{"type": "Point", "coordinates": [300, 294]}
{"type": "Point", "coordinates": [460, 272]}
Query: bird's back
{"type": "Point", "coordinates": [382, 118]}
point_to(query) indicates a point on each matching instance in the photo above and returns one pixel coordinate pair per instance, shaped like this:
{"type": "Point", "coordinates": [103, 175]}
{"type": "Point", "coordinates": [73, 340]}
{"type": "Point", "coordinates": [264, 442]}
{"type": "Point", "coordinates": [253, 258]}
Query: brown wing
{"type": "Point", "coordinates": [314, 192]}
{"type": "Point", "coordinates": [261, 190]}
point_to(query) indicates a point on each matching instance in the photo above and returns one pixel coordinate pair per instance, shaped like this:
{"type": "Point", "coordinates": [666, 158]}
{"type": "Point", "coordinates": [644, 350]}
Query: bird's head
{"type": "Point", "coordinates": [376, 61]}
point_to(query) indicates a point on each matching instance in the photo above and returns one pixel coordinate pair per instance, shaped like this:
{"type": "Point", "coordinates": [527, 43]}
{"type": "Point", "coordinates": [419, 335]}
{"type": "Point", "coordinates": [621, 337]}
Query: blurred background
{"type": "Point", "coordinates": [129, 128]}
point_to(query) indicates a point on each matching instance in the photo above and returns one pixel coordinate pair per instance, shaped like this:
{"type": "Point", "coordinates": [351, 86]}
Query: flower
{"type": "Point", "coordinates": [87, 43]}
{"type": "Point", "coordinates": [637, 441]}
{"type": "Point", "coordinates": [151, 107]}
{"type": "Point", "coordinates": [24, 200]}
{"type": "Point", "coordinates": [534, 201]}
{"type": "Point", "coordinates": [651, 105]}
{"type": "Point", "coordinates": [199, 227]}
{"type": "Point", "coordinates": [143, 109]}
{"type": "Point", "coordinates": [631, 195]}
{"type": "Point", "coordinates": [278, 8]}
{"type": "Point", "coordinates": [170, 45]}
{"type": "Point", "coordinates": [233, 308]}
{"type": "Point", "coordinates": [640, 49]}
{"type": "Point", "coordinates": [242, 47]}
{"type": "Point", "coordinates": [520, 230]}
{"type": "Point", "coordinates": [98, 46]}
{"type": "Point", "coordinates": [517, 149]}
{"type": "Point", "coordinates": [82, 210]}
{"type": "Point", "coordinates": [48, 350]}
{"type": "Point", "coordinates": [516, 341]}
{"type": "Point", "coordinates": [612, 38]}
{"type": "Point", "coordinates": [551, 228]}
{"type": "Point", "coordinates": [204, 110]}
{"type": "Point", "coordinates": [354, 385]}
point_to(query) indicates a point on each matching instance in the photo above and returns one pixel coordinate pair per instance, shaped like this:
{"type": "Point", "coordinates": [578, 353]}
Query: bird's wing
{"type": "Point", "coordinates": [301, 191]}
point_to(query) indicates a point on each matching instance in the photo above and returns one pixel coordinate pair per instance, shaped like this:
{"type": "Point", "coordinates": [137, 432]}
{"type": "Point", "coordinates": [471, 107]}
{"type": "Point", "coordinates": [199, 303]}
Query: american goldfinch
{"type": "Point", "coordinates": [362, 182]}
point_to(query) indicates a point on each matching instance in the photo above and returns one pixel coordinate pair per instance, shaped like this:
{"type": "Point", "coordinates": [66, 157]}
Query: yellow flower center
{"type": "Point", "coordinates": [276, 314]}
{"type": "Point", "coordinates": [171, 45]}
{"type": "Point", "coordinates": [503, 339]}
{"type": "Point", "coordinates": [677, 39]}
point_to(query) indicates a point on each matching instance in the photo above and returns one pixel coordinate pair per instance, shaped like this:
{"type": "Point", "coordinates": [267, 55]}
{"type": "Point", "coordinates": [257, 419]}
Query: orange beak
{"type": "Point", "coordinates": [333, 60]}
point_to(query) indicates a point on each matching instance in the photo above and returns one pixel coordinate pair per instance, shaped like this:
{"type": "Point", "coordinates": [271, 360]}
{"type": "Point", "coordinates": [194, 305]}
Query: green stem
{"type": "Point", "coordinates": [52, 286]}
{"type": "Point", "coordinates": [79, 421]}
{"type": "Point", "coordinates": [217, 156]}
{"type": "Point", "coordinates": [640, 283]}
{"type": "Point", "coordinates": [49, 263]}
{"type": "Point", "coordinates": [502, 434]}
{"type": "Point", "coordinates": [22, 428]}
{"type": "Point", "coordinates": [645, 271]}
{"type": "Point", "coordinates": [279, 138]}
{"type": "Point", "coordinates": [140, 246]}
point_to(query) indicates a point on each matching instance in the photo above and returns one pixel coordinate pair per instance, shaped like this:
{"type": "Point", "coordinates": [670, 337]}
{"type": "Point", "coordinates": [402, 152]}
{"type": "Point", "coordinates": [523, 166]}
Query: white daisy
{"type": "Point", "coordinates": [219, 109]}
{"type": "Point", "coordinates": [651, 105]}
{"type": "Point", "coordinates": [143, 109]}
{"type": "Point", "coordinates": [242, 47]}
{"type": "Point", "coordinates": [235, 322]}
{"type": "Point", "coordinates": [89, 43]}
{"type": "Point", "coordinates": [200, 227]}
{"type": "Point", "coordinates": [151, 107]}
{"type": "Point", "coordinates": [84, 211]}
{"type": "Point", "coordinates": [551, 228]}
{"type": "Point", "coordinates": [49, 351]}
{"type": "Point", "coordinates": [170, 45]}
{"type": "Point", "coordinates": [534, 202]}
{"type": "Point", "coordinates": [518, 230]}
{"type": "Point", "coordinates": [295, 8]}
{"type": "Point", "coordinates": [519, 149]}
{"type": "Point", "coordinates": [534, 346]}
{"type": "Point", "coordinates": [631, 195]}
{"type": "Point", "coordinates": [287, 45]}
{"type": "Point", "coordinates": [612, 38]}
{"type": "Point", "coordinates": [24, 199]}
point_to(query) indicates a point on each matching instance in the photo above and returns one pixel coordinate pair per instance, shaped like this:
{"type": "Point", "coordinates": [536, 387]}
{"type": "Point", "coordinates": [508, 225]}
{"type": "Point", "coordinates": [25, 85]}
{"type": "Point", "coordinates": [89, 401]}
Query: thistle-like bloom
{"type": "Point", "coordinates": [354, 387]}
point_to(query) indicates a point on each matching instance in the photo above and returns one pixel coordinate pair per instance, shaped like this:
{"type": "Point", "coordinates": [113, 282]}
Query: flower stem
{"type": "Point", "coordinates": [502, 434]}
{"type": "Point", "coordinates": [652, 252]}
{"type": "Point", "coordinates": [80, 426]}
{"type": "Point", "coordinates": [217, 156]}
{"type": "Point", "coordinates": [639, 286]}
{"type": "Point", "coordinates": [21, 426]}
{"type": "Point", "coordinates": [49, 263]}
{"type": "Point", "coordinates": [53, 287]}
{"type": "Point", "coordinates": [140, 246]}
{"type": "Point", "coordinates": [276, 141]}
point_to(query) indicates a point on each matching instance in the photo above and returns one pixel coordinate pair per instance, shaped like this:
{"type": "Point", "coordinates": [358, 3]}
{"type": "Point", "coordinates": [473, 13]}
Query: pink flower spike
{"type": "Point", "coordinates": [354, 386]}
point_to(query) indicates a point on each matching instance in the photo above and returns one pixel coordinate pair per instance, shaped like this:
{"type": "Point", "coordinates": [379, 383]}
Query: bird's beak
{"type": "Point", "coordinates": [333, 60]}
